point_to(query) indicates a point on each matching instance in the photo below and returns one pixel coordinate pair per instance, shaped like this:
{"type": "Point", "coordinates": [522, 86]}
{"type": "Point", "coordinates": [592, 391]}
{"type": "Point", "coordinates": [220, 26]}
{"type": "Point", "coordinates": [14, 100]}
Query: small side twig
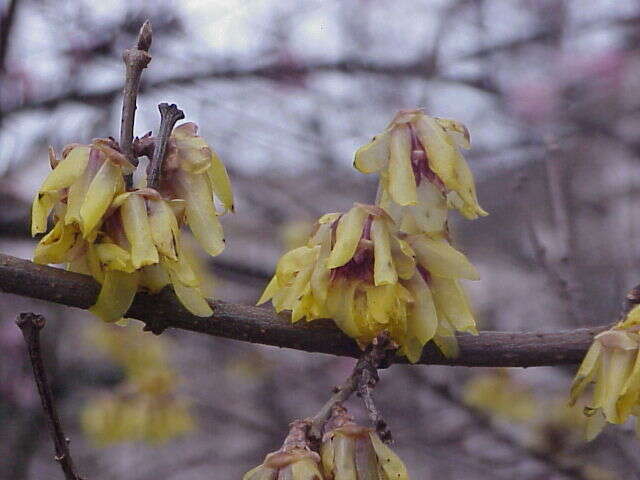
{"type": "Point", "coordinates": [362, 380]}
{"type": "Point", "coordinates": [136, 60]}
{"type": "Point", "coordinates": [31, 324]}
{"type": "Point", "coordinates": [169, 115]}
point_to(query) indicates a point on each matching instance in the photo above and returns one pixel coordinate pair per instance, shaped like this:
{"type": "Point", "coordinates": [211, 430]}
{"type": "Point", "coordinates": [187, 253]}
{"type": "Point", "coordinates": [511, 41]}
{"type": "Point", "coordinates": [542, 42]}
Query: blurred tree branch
{"type": "Point", "coordinates": [260, 325]}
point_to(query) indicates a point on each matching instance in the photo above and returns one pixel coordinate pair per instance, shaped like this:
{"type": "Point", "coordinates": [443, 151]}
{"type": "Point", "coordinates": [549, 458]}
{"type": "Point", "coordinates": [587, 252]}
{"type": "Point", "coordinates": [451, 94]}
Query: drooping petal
{"type": "Point", "coordinates": [67, 171]}
{"type": "Point", "coordinates": [441, 152]}
{"type": "Point", "coordinates": [373, 156]}
{"type": "Point", "coordinates": [189, 295]}
{"type": "Point", "coordinates": [430, 214]}
{"type": "Point", "coordinates": [384, 271]}
{"type": "Point", "coordinates": [465, 187]}
{"type": "Point", "coordinates": [43, 203]}
{"type": "Point", "coordinates": [340, 304]}
{"type": "Point", "coordinates": [452, 302]}
{"type": "Point", "coordinates": [588, 368]}
{"type": "Point", "coordinates": [200, 212]}
{"type": "Point", "coordinates": [261, 473]}
{"type": "Point", "coordinates": [344, 457]}
{"type": "Point", "coordinates": [269, 291]}
{"type": "Point", "coordinates": [164, 228]}
{"type": "Point", "coordinates": [391, 464]}
{"type": "Point", "coordinates": [294, 261]}
{"type": "Point", "coordinates": [114, 257]}
{"type": "Point", "coordinates": [54, 246]}
{"type": "Point", "coordinates": [348, 236]}
{"type": "Point", "coordinates": [101, 191]}
{"type": "Point", "coordinates": [441, 259]}
{"type": "Point", "coordinates": [422, 321]}
{"type": "Point", "coordinates": [617, 365]}
{"type": "Point", "coordinates": [327, 454]}
{"type": "Point", "coordinates": [194, 154]}
{"type": "Point", "coordinates": [402, 182]}
{"type": "Point", "coordinates": [305, 469]}
{"type": "Point", "coordinates": [366, 459]}
{"type": "Point", "coordinates": [403, 258]}
{"type": "Point", "coordinates": [457, 131]}
{"type": "Point", "coordinates": [78, 190]}
{"type": "Point", "coordinates": [154, 278]}
{"type": "Point", "coordinates": [138, 231]}
{"type": "Point", "coordinates": [116, 296]}
{"type": "Point", "coordinates": [220, 182]}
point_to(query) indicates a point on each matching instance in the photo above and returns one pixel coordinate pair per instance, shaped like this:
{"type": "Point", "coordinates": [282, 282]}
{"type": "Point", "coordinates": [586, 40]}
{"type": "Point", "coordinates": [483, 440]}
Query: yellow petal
{"type": "Point", "coordinates": [114, 257]}
{"type": "Point", "coordinates": [451, 301]}
{"type": "Point", "coordinates": [220, 182]}
{"type": "Point", "coordinates": [403, 258]}
{"type": "Point", "coordinates": [340, 305]}
{"type": "Point", "coordinates": [390, 462]}
{"type": "Point", "coordinates": [422, 321]}
{"type": "Point", "coordinates": [194, 154]}
{"type": "Point", "coordinates": [373, 156]}
{"type": "Point", "coordinates": [43, 203]}
{"type": "Point", "coordinates": [321, 274]}
{"type": "Point", "coordinates": [457, 131]}
{"type": "Point", "coordinates": [441, 152]}
{"type": "Point", "coordinates": [136, 227]}
{"type": "Point", "coordinates": [116, 296]}
{"type": "Point", "coordinates": [402, 182]}
{"type": "Point", "coordinates": [78, 190]}
{"type": "Point", "coordinates": [445, 338]}
{"type": "Point", "coordinates": [439, 258]}
{"type": "Point", "coordinates": [586, 372]}
{"type": "Point", "coordinates": [154, 278]}
{"type": "Point", "coordinates": [327, 454]}
{"type": "Point", "coordinates": [191, 298]}
{"type": "Point", "coordinates": [616, 367]}
{"type": "Point", "coordinates": [465, 187]}
{"type": "Point", "coordinates": [344, 457]}
{"type": "Point", "coordinates": [630, 392]}
{"type": "Point", "coordinates": [348, 236]}
{"type": "Point", "coordinates": [305, 469]}
{"type": "Point", "coordinates": [380, 302]}
{"type": "Point", "coordinates": [261, 473]}
{"type": "Point", "coordinates": [99, 196]}
{"type": "Point", "coordinates": [200, 212]}
{"type": "Point", "coordinates": [430, 214]}
{"type": "Point", "coordinates": [294, 261]}
{"type": "Point", "coordinates": [384, 271]}
{"type": "Point", "coordinates": [54, 246]}
{"type": "Point", "coordinates": [164, 228]}
{"type": "Point", "coordinates": [67, 171]}
{"type": "Point", "coordinates": [271, 288]}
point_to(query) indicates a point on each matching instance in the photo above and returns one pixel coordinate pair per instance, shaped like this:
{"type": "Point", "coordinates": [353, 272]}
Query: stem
{"type": "Point", "coordinates": [31, 324]}
{"type": "Point", "coordinates": [169, 115]}
{"type": "Point", "coordinates": [363, 378]}
{"type": "Point", "coordinates": [136, 60]}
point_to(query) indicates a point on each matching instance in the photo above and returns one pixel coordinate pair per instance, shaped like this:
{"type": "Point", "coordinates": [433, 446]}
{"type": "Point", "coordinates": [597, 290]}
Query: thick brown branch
{"type": "Point", "coordinates": [31, 324]}
{"type": "Point", "coordinates": [261, 325]}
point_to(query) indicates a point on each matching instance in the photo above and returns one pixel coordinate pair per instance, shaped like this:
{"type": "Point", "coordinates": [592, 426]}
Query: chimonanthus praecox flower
{"type": "Point", "coordinates": [128, 240]}
{"type": "Point", "coordinates": [613, 363]}
{"type": "Point", "coordinates": [422, 172]}
{"type": "Point", "coordinates": [352, 452]}
{"type": "Point", "coordinates": [294, 461]}
{"type": "Point", "coordinates": [359, 270]}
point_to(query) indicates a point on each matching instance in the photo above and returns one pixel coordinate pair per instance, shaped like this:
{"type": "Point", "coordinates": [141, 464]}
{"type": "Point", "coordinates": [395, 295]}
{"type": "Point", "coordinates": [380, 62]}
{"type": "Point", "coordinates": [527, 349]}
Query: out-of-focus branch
{"type": "Point", "coordinates": [261, 325]}
{"type": "Point", "coordinates": [269, 72]}
{"type": "Point", "coordinates": [31, 324]}
{"type": "Point", "coordinates": [7, 20]}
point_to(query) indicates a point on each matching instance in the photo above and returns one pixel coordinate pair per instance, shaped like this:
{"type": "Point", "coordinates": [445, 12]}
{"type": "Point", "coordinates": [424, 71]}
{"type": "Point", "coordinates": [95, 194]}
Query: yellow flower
{"type": "Point", "coordinates": [294, 464]}
{"type": "Point", "coordinates": [130, 240]}
{"type": "Point", "coordinates": [499, 395]}
{"type": "Point", "coordinates": [612, 362]}
{"type": "Point", "coordinates": [360, 271]}
{"type": "Point", "coordinates": [422, 171]}
{"type": "Point", "coordinates": [357, 453]}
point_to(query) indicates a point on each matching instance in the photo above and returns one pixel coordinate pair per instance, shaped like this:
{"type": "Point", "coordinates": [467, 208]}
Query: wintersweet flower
{"type": "Point", "coordinates": [131, 240]}
{"type": "Point", "coordinates": [613, 364]}
{"type": "Point", "coordinates": [359, 270]}
{"type": "Point", "coordinates": [350, 451]}
{"type": "Point", "coordinates": [422, 172]}
{"type": "Point", "coordinates": [294, 461]}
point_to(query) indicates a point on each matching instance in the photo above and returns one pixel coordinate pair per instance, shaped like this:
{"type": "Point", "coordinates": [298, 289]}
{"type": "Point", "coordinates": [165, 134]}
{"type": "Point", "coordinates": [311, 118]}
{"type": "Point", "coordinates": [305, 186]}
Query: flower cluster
{"type": "Point", "coordinates": [129, 239]}
{"type": "Point", "coordinates": [613, 364]}
{"type": "Point", "coordinates": [146, 406]}
{"type": "Point", "coordinates": [391, 266]}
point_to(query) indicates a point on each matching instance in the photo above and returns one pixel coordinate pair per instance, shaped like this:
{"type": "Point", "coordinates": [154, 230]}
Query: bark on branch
{"type": "Point", "coordinates": [262, 325]}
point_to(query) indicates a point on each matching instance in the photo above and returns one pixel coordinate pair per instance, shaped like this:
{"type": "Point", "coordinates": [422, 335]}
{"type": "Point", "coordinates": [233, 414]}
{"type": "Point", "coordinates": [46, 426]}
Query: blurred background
{"type": "Point", "coordinates": [285, 91]}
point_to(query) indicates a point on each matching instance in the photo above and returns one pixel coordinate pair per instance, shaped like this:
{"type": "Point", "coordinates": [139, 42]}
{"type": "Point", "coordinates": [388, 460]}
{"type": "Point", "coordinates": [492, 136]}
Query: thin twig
{"type": "Point", "coordinates": [169, 115]}
{"type": "Point", "coordinates": [31, 324]}
{"type": "Point", "coordinates": [363, 379]}
{"type": "Point", "coordinates": [136, 60]}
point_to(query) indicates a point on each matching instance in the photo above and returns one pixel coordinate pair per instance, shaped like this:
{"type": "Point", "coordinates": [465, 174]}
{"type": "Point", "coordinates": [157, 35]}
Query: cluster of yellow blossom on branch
{"type": "Point", "coordinates": [146, 406]}
{"type": "Point", "coordinates": [391, 266]}
{"type": "Point", "coordinates": [129, 237]}
{"type": "Point", "coordinates": [613, 364]}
